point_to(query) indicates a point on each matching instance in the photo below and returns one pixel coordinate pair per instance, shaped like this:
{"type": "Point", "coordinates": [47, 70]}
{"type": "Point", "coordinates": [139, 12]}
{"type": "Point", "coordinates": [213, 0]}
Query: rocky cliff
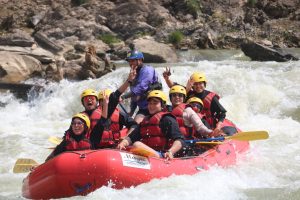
{"type": "Point", "coordinates": [66, 27]}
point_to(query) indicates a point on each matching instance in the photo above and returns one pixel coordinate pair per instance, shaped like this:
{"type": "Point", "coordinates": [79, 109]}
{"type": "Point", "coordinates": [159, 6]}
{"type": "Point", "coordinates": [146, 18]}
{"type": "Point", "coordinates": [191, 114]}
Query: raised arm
{"type": "Point", "coordinates": [130, 78]}
{"type": "Point", "coordinates": [166, 75]}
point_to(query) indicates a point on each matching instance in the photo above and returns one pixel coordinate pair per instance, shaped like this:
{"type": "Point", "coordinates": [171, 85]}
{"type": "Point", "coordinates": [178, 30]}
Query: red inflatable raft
{"type": "Point", "coordinates": [81, 172]}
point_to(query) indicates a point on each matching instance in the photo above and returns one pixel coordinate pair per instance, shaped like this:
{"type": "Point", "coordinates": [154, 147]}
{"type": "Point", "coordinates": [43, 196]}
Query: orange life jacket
{"type": "Point", "coordinates": [73, 145]}
{"type": "Point", "coordinates": [151, 133]}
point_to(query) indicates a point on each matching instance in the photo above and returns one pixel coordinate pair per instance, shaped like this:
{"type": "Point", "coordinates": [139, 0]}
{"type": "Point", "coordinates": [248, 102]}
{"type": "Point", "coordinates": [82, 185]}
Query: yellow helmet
{"type": "Point", "coordinates": [89, 92]}
{"type": "Point", "coordinates": [158, 94]}
{"type": "Point", "coordinates": [106, 91]}
{"type": "Point", "coordinates": [198, 77]}
{"type": "Point", "coordinates": [194, 99]}
{"type": "Point", "coordinates": [178, 89]}
{"type": "Point", "coordinates": [85, 118]}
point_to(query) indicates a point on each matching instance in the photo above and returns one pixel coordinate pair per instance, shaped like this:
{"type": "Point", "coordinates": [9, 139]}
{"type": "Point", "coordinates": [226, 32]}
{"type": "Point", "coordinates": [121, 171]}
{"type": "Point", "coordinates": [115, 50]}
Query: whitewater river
{"type": "Point", "coordinates": [257, 96]}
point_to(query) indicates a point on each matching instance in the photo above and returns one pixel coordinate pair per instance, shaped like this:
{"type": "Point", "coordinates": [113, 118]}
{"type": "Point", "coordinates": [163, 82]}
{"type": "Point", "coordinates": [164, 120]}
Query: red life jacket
{"type": "Point", "coordinates": [151, 133]}
{"type": "Point", "coordinates": [73, 145]}
{"type": "Point", "coordinates": [187, 132]}
{"type": "Point", "coordinates": [206, 108]}
{"type": "Point", "coordinates": [94, 117]}
{"type": "Point", "coordinates": [112, 134]}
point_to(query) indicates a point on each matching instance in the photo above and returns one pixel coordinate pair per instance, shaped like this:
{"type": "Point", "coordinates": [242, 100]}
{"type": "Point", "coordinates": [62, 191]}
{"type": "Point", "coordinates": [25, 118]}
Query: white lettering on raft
{"type": "Point", "coordinates": [136, 161]}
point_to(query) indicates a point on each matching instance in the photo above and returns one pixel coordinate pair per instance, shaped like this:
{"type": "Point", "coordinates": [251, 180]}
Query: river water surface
{"type": "Point", "coordinates": [256, 95]}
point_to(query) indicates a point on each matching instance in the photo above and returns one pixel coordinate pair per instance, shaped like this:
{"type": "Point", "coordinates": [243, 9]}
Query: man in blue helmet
{"type": "Point", "coordinates": [146, 80]}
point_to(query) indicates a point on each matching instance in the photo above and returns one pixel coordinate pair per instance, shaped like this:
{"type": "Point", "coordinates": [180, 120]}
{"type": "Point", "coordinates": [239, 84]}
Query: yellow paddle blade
{"type": "Point", "coordinates": [249, 135]}
{"type": "Point", "coordinates": [24, 165]}
{"type": "Point", "coordinates": [142, 152]}
{"type": "Point", "coordinates": [54, 140]}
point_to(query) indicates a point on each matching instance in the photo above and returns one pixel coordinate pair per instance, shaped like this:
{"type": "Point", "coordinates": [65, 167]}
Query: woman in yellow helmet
{"type": "Point", "coordinates": [77, 137]}
{"type": "Point", "coordinates": [158, 132]}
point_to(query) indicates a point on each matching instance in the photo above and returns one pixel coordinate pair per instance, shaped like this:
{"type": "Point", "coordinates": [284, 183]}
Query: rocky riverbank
{"type": "Point", "coordinates": [51, 38]}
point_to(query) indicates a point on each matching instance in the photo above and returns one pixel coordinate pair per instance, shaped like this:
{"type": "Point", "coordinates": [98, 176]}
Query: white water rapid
{"type": "Point", "coordinates": [257, 96]}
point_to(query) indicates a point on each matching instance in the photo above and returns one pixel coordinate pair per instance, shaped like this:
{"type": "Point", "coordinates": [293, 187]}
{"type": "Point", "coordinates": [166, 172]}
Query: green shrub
{"type": "Point", "coordinates": [175, 37]}
{"type": "Point", "coordinates": [109, 39]}
{"type": "Point", "coordinates": [251, 2]}
{"type": "Point", "coordinates": [194, 7]}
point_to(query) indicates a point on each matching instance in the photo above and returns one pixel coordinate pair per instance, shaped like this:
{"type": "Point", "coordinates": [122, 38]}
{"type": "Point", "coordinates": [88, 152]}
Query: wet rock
{"type": "Point", "coordinates": [260, 52]}
{"type": "Point", "coordinates": [45, 42]}
{"type": "Point", "coordinates": [150, 47]}
{"type": "Point", "coordinates": [16, 68]}
{"type": "Point", "coordinates": [17, 38]}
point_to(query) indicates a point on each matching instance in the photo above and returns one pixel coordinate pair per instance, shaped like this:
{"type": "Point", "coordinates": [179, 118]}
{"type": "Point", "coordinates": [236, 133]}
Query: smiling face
{"type": "Point", "coordinates": [77, 126]}
{"type": "Point", "coordinates": [176, 99]}
{"type": "Point", "coordinates": [134, 63]}
{"type": "Point", "coordinates": [199, 87]}
{"type": "Point", "coordinates": [154, 105]}
{"type": "Point", "coordinates": [90, 102]}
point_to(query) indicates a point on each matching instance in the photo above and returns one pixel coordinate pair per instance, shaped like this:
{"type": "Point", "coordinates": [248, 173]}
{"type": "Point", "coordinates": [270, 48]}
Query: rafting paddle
{"type": "Point", "coordinates": [24, 165]}
{"type": "Point", "coordinates": [141, 152]}
{"type": "Point", "coordinates": [55, 140]}
{"type": "Point", "coordinates": [241, 136]}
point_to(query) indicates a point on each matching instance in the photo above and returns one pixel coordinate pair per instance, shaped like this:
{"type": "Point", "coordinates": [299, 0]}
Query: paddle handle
{"type": "Point", "coordinates": [205, 140]}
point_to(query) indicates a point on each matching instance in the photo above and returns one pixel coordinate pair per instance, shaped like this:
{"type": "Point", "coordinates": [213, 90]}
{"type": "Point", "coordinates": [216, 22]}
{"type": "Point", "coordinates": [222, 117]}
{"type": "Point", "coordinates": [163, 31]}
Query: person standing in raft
{"type": "Point", "coordinates": [145, 81]}
{"type": "Point", "coordinates": [109, 134]}
{"type": "Point", "coordinates": [158, 132]}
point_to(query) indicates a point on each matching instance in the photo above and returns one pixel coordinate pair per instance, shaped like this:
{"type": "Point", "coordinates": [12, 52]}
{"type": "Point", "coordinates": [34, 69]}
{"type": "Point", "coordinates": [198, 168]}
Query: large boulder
{"type": "Point", "coordinates": [260, 52]}
{"type": "Point", "coordinates": [15, 68]}
{"type": "Point", "coordinates": [17, 38]}
{"type": "Point", "coordinates": [155, 52]}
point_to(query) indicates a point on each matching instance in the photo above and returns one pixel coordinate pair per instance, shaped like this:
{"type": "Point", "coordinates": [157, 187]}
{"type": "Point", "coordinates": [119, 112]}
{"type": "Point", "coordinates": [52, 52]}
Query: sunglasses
{"type": "Point", "coordinates": [77, 123]}
{"type": "Point", "coordinates": [177, 94]}
{"type": "Point", "coordinates": [89, 98]}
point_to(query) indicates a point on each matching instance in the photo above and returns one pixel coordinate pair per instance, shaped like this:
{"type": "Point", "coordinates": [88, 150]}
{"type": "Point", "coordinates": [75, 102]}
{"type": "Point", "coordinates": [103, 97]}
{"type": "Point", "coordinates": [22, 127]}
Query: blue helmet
{"type": "Point", "coordinates": [134, 55]}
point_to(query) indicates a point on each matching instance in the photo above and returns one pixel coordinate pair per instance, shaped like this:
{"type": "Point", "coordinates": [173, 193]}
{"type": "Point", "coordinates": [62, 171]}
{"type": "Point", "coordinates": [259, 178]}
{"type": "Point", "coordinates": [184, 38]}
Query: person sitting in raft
{"type": "Point", "coordinates": [158, 132]}
{"type": "Point", "coordinates": [112, 132]}
{"type": "Point", "coordinates": [197, 105]}
{"type": "Point", "coordinates": [77, 137]}
{"type": "Point", "coordinates": [189, 122]}
{"type": "Point", "coordinates": [89, 100]}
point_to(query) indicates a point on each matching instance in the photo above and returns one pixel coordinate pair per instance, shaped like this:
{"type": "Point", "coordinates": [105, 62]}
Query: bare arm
{"type": "Point", "coordinates": [189, 85]}
{"type": "Point", "coordinates": [166, 75]}
{"type": "Point", "coordinates": [105, 105]}
{"type": "Point", "coordinates": [191, 118]}
{"type": "Point", "coordinates": [130, 78]}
